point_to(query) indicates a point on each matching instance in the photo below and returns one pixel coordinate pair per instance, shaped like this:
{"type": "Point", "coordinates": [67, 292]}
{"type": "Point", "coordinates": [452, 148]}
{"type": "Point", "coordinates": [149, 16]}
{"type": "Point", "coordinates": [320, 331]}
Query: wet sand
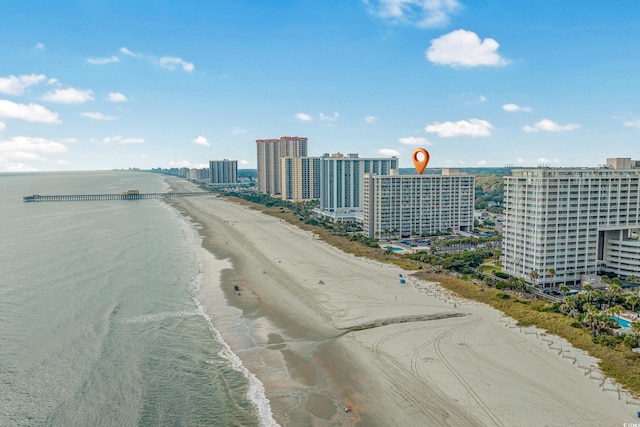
{"type": "Point", "coordinates": [400, 354]}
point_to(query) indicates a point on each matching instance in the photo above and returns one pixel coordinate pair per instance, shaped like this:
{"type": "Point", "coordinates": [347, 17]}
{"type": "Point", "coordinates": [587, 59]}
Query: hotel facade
{"type": "Point", "coordinates": [400, 206]}
{"type": "Point", "coordinates": [269, 163]}
{"type": "Point", "coordinates": [566, 224]}
{"type": "Point", "coordinates": [341, 183]}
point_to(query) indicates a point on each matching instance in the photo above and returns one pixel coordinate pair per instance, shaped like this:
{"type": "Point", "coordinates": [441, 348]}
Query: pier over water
{"type": "Point", "coordinates": [127, 195]}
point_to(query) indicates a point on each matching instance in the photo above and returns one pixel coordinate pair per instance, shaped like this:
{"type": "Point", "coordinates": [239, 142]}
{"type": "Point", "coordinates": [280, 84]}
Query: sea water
{"type": "Point", "coordinates": [99, 319]}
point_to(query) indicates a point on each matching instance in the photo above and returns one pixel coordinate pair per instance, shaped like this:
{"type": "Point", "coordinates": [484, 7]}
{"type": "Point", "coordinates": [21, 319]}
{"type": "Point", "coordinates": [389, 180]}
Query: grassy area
{"type": "Point", "coordinates": [619, 363]}
{"type": "Point", "coordinates": [488, 268]}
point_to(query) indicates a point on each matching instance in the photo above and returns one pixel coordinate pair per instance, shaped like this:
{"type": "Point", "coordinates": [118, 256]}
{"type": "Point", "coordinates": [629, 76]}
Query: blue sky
{"type": "Point", "coordinates": [103, 84]}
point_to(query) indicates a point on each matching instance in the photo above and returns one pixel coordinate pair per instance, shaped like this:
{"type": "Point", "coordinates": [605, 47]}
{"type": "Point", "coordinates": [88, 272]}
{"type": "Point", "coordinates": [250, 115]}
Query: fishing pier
{"type": "Point", "coordinates": [127, 195]}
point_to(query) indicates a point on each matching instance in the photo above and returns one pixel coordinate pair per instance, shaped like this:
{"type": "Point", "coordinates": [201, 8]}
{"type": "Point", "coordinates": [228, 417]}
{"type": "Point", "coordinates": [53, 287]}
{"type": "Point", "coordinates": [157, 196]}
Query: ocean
{"type": "Point", "coordinates": [100, 324]}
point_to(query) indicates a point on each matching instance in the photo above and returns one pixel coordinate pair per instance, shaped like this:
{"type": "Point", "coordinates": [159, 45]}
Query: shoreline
{"type": "Point", "coordinates": [432, 364]}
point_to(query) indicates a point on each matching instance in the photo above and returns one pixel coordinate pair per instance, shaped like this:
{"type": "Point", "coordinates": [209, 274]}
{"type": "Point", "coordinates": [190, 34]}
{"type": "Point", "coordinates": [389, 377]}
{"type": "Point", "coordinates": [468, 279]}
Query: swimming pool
{"type": "Point", "coordinates": [624, 323]}
{"type": "Point", "coordinates": [393, 248]}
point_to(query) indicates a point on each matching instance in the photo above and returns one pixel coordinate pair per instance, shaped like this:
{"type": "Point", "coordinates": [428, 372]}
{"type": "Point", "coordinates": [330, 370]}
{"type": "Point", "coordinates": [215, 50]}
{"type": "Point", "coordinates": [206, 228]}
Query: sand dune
{"type": "Point", "coordinates": [401, 354]}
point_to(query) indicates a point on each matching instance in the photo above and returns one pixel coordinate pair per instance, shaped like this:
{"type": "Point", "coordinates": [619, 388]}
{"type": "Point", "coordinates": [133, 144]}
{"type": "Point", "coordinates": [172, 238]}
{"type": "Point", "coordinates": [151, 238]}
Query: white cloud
{"type": "Point", "coordinates": [635, 123]}
{"type": "Point", "coordinates": [545, 161]}
{"type": "Point", "coordinates": [69, 96]}
{"type": "Point", "coordinates": [28, 112]}
{"type": "Point", "coordinates": [171, 62]}
{"type": "Point", "coordinates": [389, 152]}
{"type": "Point", "coordinates": [3, 126]}
{"type": "Point", "coordinates": [413, 140]}
{"type": "Point", "coordinates": [481, 163]}
{"type": "Point", "coordinates": [244, 162]}
{"type": "Point", "coordinates": [52, 81]}
{"type": "Point", "coordinates": [463, 48]}
{"type": "Point", "coordinates": [238, 131]}
{"type": "Point", "coordinates": [97, 116]}
{"type": "Point", "coordinates": [201, 140]}
{"type": "Point", "coordinates": [100, 61]}
{"type": "Point", "coordinates": [514, 107]}
{"type": "Point", "coordinates": [7, 166]}
{"type": "Point", "coordinates": [303, 117]}
{"type": "Point", "coordinates": [21, 146]}
{"type": "Point", "coordinates": [116, 97]}
{"type": "Point", "coordinates": [420, 13]}
{"type": "Point", "coordinates": [471, 127]}
{"type": "Point", "coordinates": [118, 139]}
{"type": "Point", "coordinates": [179, 164]}
{"type": "Point", "coordinates": [13, 85]}
{"type": "Point", "coordinates": [126, 51]}
{"type": "Point", "coordinates": [470, 98]}
{"type": "Point", "coordinates": [550, 126]}
{"type": "Point", "coordinates": [325, 118]}
{"type": "Point", "coordinates": [39, 46]}
{"type": "Point", "coordinates": [370, 119]}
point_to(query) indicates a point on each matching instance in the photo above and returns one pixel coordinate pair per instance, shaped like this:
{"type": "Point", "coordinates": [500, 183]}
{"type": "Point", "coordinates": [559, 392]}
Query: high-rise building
{"type": "Point", "coordinates": [270, 152]}
{"type": "Point", "coordinates": [342, 178]}
{"type": "Point", "coordinates": [564, 223]}
{"type": "Point", "coordinates": [417, 205]}
{"type": "Point", "coordinates": [223, 171]}
{"type": "Point", "coordinates": [300, 178]}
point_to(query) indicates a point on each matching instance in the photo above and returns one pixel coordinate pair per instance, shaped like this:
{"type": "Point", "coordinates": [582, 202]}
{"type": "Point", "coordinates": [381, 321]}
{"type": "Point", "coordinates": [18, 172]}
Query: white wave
{"type": "Point", "coordinates": [156, 317]}
{"type": "Point", "coordinates": [256, 393]}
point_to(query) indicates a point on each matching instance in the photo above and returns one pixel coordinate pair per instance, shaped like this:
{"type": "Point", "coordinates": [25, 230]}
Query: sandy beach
{"type": "Point", "coordinates": [322, 329]}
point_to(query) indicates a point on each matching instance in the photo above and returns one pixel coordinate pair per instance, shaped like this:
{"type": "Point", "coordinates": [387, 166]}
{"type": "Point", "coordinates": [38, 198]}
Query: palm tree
{"type": "Point", "coordinates": [533, 274]}
{"type": "Point", "coordinates": [615, 311]}
{"type": "Point", "coordinates": [588, 289]}
{"type": "Point", "coordinates": [635, 327]}
{"type": "Point", "coordinates": [552, 273]}
{"type": "Point", "coordinates": [633, 300]}
{"type": "Point", "coordinates": [564, 290]}
{"type": "Point", "coordinates": [614, 290]}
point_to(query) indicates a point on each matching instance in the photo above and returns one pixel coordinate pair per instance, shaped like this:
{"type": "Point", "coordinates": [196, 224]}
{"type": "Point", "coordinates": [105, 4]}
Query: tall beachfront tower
{"type": "Point", "coordinates": [300, 178]}
{"type": "Point", "coordinates": [223, 171]}
{"type": "Point", "coordinates": [563, 224]}
{"type": "Point", "coordinates": [341, 181]}
{"type": "Point", "coordinates": [416, 205]}
{"type": "Point", "coordinates": [270, 152]}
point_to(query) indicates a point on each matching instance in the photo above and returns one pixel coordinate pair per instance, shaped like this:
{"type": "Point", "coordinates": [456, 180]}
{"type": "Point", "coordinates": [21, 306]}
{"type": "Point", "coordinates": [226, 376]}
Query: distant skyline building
{"type": "Point", "coordinates": [404, 206]}
{"type": "Point", "coordinates": [223, 171]}
{"type": "Point", "coordinates": [300, 178]}
{"type": "Point", "coordinates": [568, 223]}
{"type": "Point", "coordinates": [269, 163]}
{"type": "Point", "coordinates": [341, 181]}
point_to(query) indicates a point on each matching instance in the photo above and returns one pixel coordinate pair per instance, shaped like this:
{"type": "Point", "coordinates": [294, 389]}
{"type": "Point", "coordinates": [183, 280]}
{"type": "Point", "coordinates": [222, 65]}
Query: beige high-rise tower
{"type": "Point", "coordinates": [270, 152]}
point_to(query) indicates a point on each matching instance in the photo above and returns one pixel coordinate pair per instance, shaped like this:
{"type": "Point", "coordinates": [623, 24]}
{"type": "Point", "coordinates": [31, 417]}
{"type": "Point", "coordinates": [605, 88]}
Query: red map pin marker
{"type": "Point", "coordinates": [420, 161]}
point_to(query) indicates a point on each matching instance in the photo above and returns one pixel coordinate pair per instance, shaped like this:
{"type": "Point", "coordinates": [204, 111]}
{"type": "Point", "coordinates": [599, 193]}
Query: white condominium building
{"type": "Point", "coordinates": [270, 152]}
{"type": "Point", "coordinates": [300, 178]}
{"type": "Point", "coordinates": [417, 205]}
{"type": "Point", "coordinates": [562, 223]}
{"type": "Point", "coordinates": [342, 177]}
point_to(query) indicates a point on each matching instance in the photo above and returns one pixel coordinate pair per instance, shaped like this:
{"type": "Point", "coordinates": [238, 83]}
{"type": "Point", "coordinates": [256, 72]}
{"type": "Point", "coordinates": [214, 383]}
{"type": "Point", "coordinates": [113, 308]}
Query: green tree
{"type": "Point", "coordinates": [564, 290]}
{"type": "Point", "coordinates": [552, 273]}
{"type": "Point", "coordinates": [613, 291]}
{"type": "Point", "coordinates": [534, 275]}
